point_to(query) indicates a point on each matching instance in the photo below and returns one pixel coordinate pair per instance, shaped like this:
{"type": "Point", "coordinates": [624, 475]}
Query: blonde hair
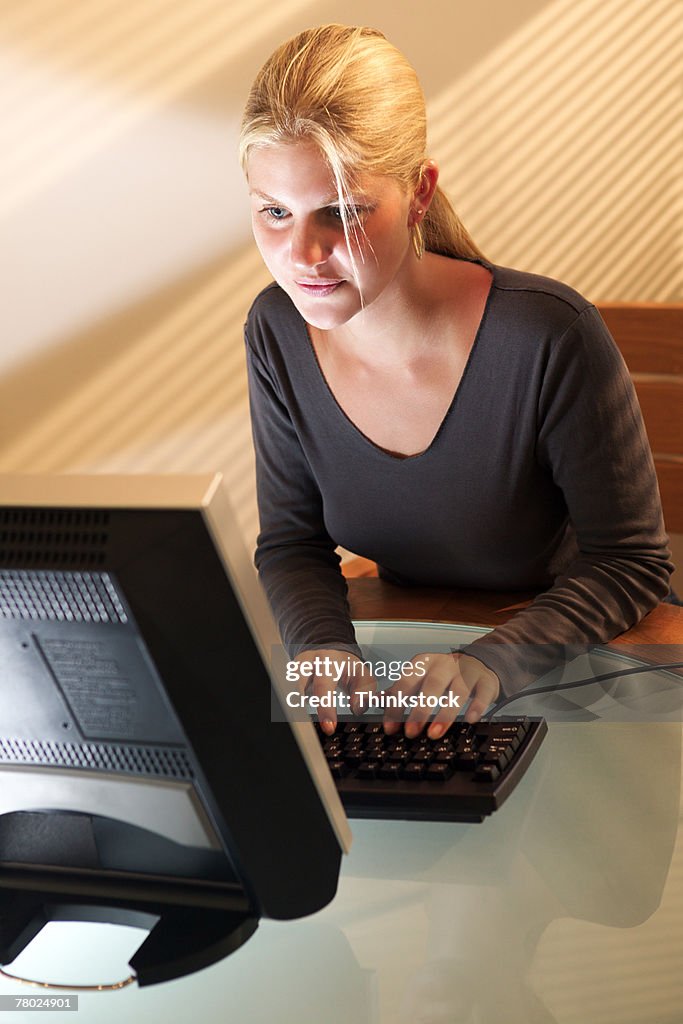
{"type": "Point", "coordinates": [356, 97]}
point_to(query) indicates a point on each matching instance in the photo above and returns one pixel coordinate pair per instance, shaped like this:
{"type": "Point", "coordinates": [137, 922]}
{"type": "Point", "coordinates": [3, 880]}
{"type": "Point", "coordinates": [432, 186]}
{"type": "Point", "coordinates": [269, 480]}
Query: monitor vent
{"type": "Point", "coordinates": [162, 762]}
{"type": "Point", "coordinates": [53, 537]}
{"type": "Point", "coordinates": [59, 596]}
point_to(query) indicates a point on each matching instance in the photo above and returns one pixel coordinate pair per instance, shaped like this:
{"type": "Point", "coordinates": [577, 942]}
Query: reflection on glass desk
{"type": "Point", "coordinates": [565, 906]}
{"type": "Point", "coordinates": [653, 695]}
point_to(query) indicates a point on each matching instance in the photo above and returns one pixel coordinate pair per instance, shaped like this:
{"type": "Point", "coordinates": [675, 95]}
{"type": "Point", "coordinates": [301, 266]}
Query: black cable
{"type": "Point", "coordinates": [583, 682]}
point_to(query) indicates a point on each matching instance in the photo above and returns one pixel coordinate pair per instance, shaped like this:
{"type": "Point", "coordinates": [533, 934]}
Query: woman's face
{"type": "Point", "coordinates": [298, 229]}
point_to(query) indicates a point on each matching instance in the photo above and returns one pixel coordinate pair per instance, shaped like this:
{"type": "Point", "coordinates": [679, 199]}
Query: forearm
{"type": "Point", "coordinates": [590, 604]}
{"type": "Point", "coordinates": [308, 596]}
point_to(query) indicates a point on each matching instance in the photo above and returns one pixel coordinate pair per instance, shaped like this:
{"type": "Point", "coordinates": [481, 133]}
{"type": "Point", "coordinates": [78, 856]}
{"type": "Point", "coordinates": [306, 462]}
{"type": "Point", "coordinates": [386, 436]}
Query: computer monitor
{"type": "Point", "coordinates": [141, 775]}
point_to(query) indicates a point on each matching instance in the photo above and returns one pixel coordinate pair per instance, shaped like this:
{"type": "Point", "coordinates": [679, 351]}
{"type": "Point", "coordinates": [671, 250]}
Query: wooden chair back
{"type": "Point", "coordinates": [650, 338]}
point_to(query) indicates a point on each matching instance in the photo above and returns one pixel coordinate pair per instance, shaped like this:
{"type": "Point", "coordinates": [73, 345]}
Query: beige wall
{"type": "Point", "coordinates": [126, 265]}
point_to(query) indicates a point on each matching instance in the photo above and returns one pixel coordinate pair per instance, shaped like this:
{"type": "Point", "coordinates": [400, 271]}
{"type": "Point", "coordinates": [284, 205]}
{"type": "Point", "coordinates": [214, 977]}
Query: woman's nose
{"type": "Point", "coordinates": [310, 245]}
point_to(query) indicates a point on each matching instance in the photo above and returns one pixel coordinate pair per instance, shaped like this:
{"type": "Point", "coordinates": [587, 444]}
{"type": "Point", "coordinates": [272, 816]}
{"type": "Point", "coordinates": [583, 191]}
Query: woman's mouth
{"type": "Point", "coordinates": [319, 288]}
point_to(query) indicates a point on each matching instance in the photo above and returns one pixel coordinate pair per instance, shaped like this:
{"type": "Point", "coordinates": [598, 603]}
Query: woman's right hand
{"type": "Point", "coordinates": [333, 670]}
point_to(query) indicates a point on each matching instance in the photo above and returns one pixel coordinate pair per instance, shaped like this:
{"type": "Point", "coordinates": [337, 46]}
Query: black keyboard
{"type": "Point", "coordinates": [464, 776]}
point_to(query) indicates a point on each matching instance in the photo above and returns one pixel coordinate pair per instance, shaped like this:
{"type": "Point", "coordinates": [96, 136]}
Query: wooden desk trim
{"type": "Point", "coordinates": [371, 599]}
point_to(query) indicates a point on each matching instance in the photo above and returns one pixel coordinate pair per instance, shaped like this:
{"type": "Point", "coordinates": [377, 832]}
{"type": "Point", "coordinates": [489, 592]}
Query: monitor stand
{"type": "Point", "coordinates": [182, 939]}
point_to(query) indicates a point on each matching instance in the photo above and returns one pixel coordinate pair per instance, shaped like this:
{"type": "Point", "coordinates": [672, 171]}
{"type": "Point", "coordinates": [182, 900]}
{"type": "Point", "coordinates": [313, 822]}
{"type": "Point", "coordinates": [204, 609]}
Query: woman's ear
{"type": "Point", "coordinates": [426, 186]}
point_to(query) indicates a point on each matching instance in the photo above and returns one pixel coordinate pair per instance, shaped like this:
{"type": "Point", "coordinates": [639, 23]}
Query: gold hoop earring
{"type": "Point", "coordinates": [418, 240]}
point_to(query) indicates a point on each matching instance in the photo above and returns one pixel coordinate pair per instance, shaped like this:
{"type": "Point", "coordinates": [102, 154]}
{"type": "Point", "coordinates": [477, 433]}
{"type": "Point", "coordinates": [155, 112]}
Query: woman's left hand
{"type": "Point", "coordinates": [455, 677]}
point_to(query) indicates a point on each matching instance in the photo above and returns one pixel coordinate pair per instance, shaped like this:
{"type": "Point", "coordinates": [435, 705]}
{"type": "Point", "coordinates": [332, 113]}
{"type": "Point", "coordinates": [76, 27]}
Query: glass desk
{"type": "Point", "coordinates": [566, 905]}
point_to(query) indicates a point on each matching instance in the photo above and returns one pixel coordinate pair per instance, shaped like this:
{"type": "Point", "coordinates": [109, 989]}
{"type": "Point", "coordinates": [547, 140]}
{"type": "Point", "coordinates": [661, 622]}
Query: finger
{"type": "Point", "coordinates": [443, 685]}
{"type": "Point", "coordinates": [458, 693]}
{"type": "Point", "coordinates": [323, 686]}
{"type": "Point", "coordinates": [304, 681]}
{"type": "Point", "coordinates": [445, 716]}
{"type": "Point", "coordinates": [393, 714]}
{"type": "Point", "coordinates": [484, 693]}
{"type": "Point", "coordinates": [408, 684]}
{"type": "Point", "coordinates": [359, 686]}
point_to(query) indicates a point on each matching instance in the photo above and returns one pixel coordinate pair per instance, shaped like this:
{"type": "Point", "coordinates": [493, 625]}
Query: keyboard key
{"type": "Point", "coordinates": [399, 756]}
{"type": "Point", "coordinates": [500, 760]}
{"type": "Point", "coordinates": [464, 746]}
{"type": "Point", "coordinates": [511, 730]}
{"type": "Point", "coordinates": [354, 743]}
{"type": "Point", "coordinates": [467, 761]}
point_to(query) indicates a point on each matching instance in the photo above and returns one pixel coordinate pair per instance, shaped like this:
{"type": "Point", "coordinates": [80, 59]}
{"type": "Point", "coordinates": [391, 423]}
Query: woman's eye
{"type": "Point", "coordinates": [275, 212]}
{"type": "Point", "coordinates": [353, 213]}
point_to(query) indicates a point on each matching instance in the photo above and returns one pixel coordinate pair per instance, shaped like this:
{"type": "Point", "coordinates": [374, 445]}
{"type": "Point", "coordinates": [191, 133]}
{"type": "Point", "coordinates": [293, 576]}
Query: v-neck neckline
{"type": "Point", "coordinates": [396, 456]}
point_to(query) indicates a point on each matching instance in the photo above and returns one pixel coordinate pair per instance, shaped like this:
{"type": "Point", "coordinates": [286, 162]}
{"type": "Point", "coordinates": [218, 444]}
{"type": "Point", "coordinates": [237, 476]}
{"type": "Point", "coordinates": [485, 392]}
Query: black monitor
{"type": "Point", "coordinates": [142, 779]}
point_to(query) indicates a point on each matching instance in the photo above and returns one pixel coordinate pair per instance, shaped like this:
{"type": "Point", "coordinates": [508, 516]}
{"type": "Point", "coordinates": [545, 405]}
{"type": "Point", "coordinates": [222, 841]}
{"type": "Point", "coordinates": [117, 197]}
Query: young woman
{"type": "Point", "coordinates": [459, 423]}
